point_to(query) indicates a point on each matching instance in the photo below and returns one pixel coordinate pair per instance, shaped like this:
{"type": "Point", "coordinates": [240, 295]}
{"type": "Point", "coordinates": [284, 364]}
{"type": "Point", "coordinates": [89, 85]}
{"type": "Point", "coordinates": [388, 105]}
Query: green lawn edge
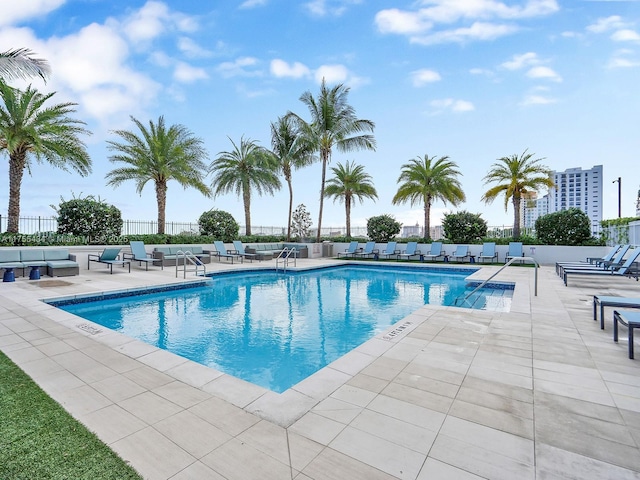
{"type": "Point", "coordinates": [40, 440]}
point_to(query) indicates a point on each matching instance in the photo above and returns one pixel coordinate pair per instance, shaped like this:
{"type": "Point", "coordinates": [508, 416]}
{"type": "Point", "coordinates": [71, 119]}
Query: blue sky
{"type": "Point", "coordinates": [472, 79]}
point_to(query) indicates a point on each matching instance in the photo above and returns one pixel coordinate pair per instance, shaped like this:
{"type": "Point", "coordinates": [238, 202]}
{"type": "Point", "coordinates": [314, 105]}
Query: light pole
{"type": "Point", "coordinates": [619, 180]}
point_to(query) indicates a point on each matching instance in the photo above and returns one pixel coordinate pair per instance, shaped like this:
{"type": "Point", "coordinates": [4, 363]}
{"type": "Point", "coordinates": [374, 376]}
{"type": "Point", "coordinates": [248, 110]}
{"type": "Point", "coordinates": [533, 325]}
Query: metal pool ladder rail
{"type": "Point", "coordinates": [188, 256]}
{"type": "Point", "coordinates": [285, 257]}
{"type": "Point", "coordinates": [460, 301]}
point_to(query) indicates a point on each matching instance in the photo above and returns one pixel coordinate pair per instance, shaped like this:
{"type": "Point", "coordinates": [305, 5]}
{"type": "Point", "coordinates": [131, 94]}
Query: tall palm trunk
{"type": "Point", "coordinates": [325, 159]}
{"type": "Point", "coordinates": [246, 197]}
{"type": "Point", "coordinates": [290, 206]}
{"type": "Point", "coordinates": [427, 220]}
{"type": "Point", "coordinates": [347, 209]}
{"type": "Point", "coordinates": [161, 198]}
{"type": "Point", "coordinates": [516, 217]}
{"type": "Point", "coordinates": [17, 163]}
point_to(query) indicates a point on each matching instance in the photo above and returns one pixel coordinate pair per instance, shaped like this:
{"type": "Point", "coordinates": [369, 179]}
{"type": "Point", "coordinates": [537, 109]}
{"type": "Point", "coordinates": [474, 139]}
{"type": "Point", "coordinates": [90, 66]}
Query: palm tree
{"type": "Point", "coordinates": [19, 63]}
{"type": "Point", "coordinates": [291, 152]}
{"type": "Point", "coordinates": [515, 176]}
{"type": "Point", "coordinates": [350, 183]}
{"type": "Point", "coordinates": [426, 180]}
{"type": "Point", "coordinates": [247, 166]}
{"type": "Point", "coordinates": [333, 124]}
{"type": "Point", "coordinates": [48, 133]}
{"type": "Point", "coordinates": [159, 154]}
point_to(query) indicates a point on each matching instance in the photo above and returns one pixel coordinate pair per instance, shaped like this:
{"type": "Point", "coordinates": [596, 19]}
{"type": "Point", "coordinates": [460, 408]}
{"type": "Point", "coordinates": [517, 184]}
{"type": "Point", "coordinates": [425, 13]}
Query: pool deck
{"type": "Point", "coordinates": [539, 392]}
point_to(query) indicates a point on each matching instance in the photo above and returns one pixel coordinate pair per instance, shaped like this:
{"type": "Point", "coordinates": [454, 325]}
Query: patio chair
{"type": "Point", "coordinates": [462, 252]}
{"type": "Point", "coordinates": [434, 252]}
{"type": "Point", "coordinates": [607, 258]}
{"type": "Point", "coordinates": [139, 254]}
{"type": "Point", "coordinates": [631, 320]}
{"type": "Point", "coordinates": [623, 270]}
{"type": "Point", "coordinates": [350, 250]}
{"type": "Point", "coordinates": [390, 250]}
{"type": "Point", "coordinates": [515, 251]}
{"type": "Point", "coordinates": [368, 250]}
{"type": "Point", "coordinates": [239, 250]}
{"type": "Point", "coordinates": [109, 256]}
{"type": "Point", "coordinates": [488, 252]}
{"type": "Point", "coordinates": [617, 261]}
{"type": "Point", "coordinates": [221, 252]}
{"type": "Point", "coordinates": [609, 301]}
{"type": "Point", "coordinates": [410, 251]}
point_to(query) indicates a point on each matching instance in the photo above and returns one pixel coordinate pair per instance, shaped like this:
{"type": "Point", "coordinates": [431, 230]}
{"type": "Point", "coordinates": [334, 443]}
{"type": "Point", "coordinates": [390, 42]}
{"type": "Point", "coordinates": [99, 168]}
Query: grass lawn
{"type": "Point", "coordinates": [40, 440]}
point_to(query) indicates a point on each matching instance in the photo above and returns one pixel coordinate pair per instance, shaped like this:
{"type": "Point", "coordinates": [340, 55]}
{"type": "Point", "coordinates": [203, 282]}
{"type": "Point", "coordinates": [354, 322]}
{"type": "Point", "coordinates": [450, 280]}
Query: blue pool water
{"type": "Point", "coordinates": [276, 329]}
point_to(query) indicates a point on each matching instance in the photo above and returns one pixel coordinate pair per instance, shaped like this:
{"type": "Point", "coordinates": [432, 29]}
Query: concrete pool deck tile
{"type": "Point", "coordinates": [491, 374]}
{"type": "Point", "coordinates": [502, 389]}
{"type": "Point", "coordinates": [197, 471]}
{"type": "Point", "coordinates": [135, 348]}
{"type": "Point", "coordinates": [145, 447]}
{"type": "Point", "coordinates": [553, 462]}
{"type": "Point", "coordinates": [194, 374]}
{"type": "Point", "coordinates": [380, 453]}
{"type": "Point", "coordinates": [235, 390]}
{"type": "Point", "coordinates": [112, 423]}
{"type": "Point", "coordinates": [236, 460]}
{"type": "Point", "coordinates": [162, 360]}
{"type": "Point", "coordinates": [191, 433]}
{"type": "Point", "coordinates": [268, 438]}
{"type": "Point", "coordinates": [149, 407]}
{"type": "Point", "coordinates": [419, 397]}
{"type": "Point", "coordinates": [282, 408]}
{"type": "Point", "coordinates": [302, 450]}
{"type": "Point", "coordinates": [118, 388]}
{"type": "Point", "coordinates": [353, 362]}
{"type": "Point", "coordinates": [84, 367]}
{"type": "Point", "coordinates": [385, 368]}
{"type": "Point", "coordinates": [496, 402]}
{"type": "Point", "coordinates": [434, 469]}
{"type": "Point", "coordinates": [354, 395]}
{"type": "Point", "coordinates": [148, 377]}
{"type": "Point", "coordinates": [427, 384]}
{"type": "Point", "coordinates": [225, 416]}
{"type": "Point", "coordinates": [338, 410]}
{"type": "Point", "coordinates": [586, 381]}
{"type": "Point", "coordinates": [439, 374]}
{"type": "Point", "coordinates": [81, 400]}
{"type": "Point", "coordinates": [322, 383]}
{"type": "Point", "coordinates": [333, 465]}
{"type": "Point", "coordinates": [396, 431]}
{"type": "Point", "coordinates": [574, 391]}
{"type": "Point", "coordinates": [109, 357]}
{"type": "Point", "coordinates": [627, 403]}
{"type": "Point", "coordinates": [490, 417]}
{"type": "Point", "coordinates": [181, 394]}
{"type": "Point", "coordinates": [317, 428]}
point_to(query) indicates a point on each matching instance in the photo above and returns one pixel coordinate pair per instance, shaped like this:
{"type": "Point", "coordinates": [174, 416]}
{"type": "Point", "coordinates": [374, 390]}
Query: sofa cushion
{"type": "Point", "coordinates": [10, 256]}
{"type": "Point", "coordinates": [32, 255]}
{"type": "Point", "coordinates": [56, 254]}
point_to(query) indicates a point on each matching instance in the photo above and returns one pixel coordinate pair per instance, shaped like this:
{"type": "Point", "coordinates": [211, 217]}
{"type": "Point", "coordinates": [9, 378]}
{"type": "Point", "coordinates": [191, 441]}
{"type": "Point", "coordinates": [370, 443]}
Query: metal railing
{"type": "Point", "coordinates": [189, 257]}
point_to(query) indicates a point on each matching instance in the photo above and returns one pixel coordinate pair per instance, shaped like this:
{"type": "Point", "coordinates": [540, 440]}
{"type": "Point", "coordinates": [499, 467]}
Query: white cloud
{"type": "Point", "coordinates": [332, 74]}
{"type": "Point", "coordinates": [621, 59]}
{"type": "Point", "coordinates": [452, 105]}
{"type": "Point", "coordinates": [625, 35]}
{"type": "Point", "coordinates": [481, 71]}
{"type": "Point", "coordinates": [477, 18]}
{"type": "Point", "coordinates": [545, 73]}
{"type": "Point", "coordinates": [185, 73]}
{"type": "Point", "coordinates": [534, 99]}
{"type": "Point", "coordinates": [253, 3]}
{"type": "Point", "coordinates": [14, 12]}
{"type": "Point", "coordinates": [279, 68]}
{"type": "Point", "coordinates": [192, 49]}
{"type": "Point", "coordinates": [606, 24]}
{"type": "Point", "coordinates": [401, 22]}
{"type": "Point", "coordinates": [477, 31]}
{"type": "Point", "coordinates": [322, 8]}
{"type": "Point", "coordinates": [240, 67]}
{"type": "Point", "coordinates": [423, 76]}
{"type": "Point", "coordinates": [152, 20]}
{"type": "Point", "coordinates": [521, 61]}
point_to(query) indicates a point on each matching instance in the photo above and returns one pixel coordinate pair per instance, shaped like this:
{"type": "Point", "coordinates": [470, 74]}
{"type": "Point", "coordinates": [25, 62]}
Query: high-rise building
{"type": "Point", "coordinates": [573, 188]}
{"type": "Point", "coordinates": [580, 189]}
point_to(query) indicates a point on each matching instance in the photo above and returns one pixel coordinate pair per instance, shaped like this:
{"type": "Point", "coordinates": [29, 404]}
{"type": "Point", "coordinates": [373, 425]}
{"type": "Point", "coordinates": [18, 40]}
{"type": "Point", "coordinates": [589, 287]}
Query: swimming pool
{"type": "Point", "coordinates": [275, 329]}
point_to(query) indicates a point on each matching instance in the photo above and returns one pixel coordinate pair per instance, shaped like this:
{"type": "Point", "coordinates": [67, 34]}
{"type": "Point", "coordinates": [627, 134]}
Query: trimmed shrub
{"type": "Point", "coordinates": [566, 227]}
{"type": "Point", "coordinates": [219, 224]}
{"type": "Point", "coordinates": [464, 227]}
{"type": "Point", "coordinates": [94, 219]}
{"type": "Point", "coordinates": [300, 222]}
{"type": "Point", "coordinates": [383, 228]}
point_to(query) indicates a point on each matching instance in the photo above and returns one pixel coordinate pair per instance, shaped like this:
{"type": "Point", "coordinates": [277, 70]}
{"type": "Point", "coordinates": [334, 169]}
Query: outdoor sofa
{"type": "Point", "coordinates": [168, 254]}
{"type": "Point", "coordinates": [271, 250]}
{"type": "Point", "coordinates": [58, 262]}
